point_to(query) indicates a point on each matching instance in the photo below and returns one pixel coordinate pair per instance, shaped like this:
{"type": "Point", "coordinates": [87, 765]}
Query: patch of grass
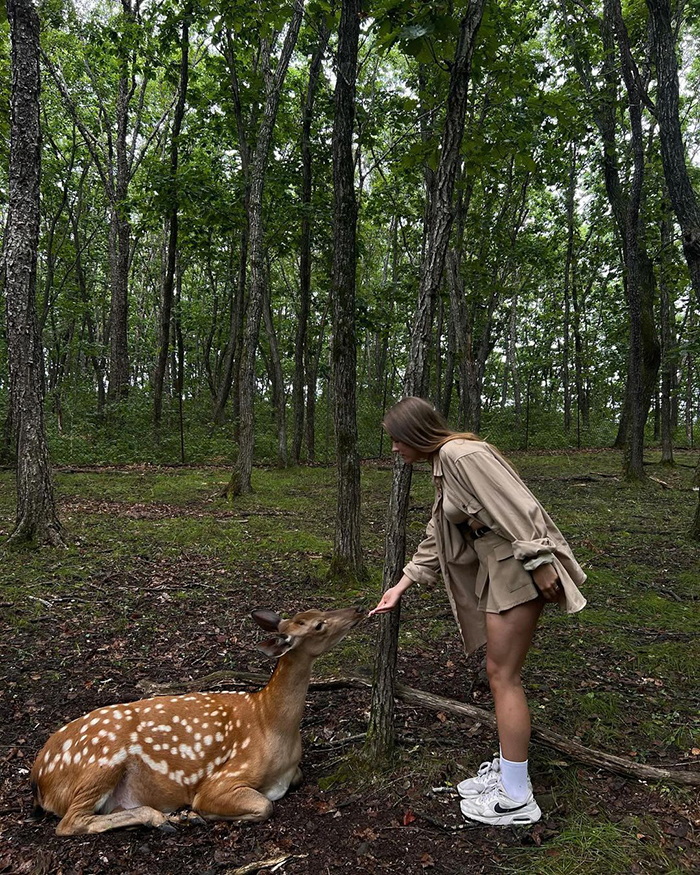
{"type": "Point", "coordinates": [603, 705]}
{"type": "Point", "coordinates": [591, 846]}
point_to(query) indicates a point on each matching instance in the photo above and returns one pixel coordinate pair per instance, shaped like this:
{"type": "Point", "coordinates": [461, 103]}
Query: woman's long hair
{"type": "Point", "coordinates": [415, 422]}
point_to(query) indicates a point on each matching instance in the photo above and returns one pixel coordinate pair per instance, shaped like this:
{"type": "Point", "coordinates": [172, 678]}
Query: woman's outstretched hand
{"type": "Point", "coordinates": [388, 601]}
{"type": "Point", "coordinates": [547, 581]}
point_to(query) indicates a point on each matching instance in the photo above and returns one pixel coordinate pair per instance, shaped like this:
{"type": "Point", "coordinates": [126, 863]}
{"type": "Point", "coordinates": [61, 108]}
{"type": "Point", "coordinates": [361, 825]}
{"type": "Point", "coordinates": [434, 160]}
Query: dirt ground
{"type": "Point", "coordinates": [70, 649]}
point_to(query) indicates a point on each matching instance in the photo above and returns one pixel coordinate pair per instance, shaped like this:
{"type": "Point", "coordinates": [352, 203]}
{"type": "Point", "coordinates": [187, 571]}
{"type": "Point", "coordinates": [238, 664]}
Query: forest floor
{"type": "Point", "coordinates": [157, 583]}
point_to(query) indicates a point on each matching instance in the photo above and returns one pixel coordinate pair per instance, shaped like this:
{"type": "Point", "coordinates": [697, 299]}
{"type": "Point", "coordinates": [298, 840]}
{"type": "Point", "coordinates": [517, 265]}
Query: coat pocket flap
{"type": "Point", "coordinates": [503, 551]}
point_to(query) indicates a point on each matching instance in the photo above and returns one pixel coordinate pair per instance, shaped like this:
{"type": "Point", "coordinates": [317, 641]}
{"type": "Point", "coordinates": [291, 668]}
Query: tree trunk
{"type": "Point", "coordinates": [119, 314]}
{"type": "Point", "coordinates": [673, 157]}
{"type": "Point", "coordinates": [512, 359]}
{"type": "Point", "coordinates": [168, 281]}
{"type": "Point", "coordinates": [668, 354]}
{"type": "Point", "coordinates": [347, 556]}
{"type": "Point", "coordinates": [380, 735]}
{"type": "Point", "coordinates": [449, 370]}
{"type": "Point", "coordinates": [634, 450]}
{"type": "Point", "coordinates": [568, 270]}
{"type": "Point", "coordinates": [311, 366]}
{"type": "Point", "coordinates": [277, 378]}
{"type": "Point", "coordinates": [241, 478]}
{"type": "Point", "coordinates": [305, 247]}
{"type": "Point", "coordinates": [37, 522]}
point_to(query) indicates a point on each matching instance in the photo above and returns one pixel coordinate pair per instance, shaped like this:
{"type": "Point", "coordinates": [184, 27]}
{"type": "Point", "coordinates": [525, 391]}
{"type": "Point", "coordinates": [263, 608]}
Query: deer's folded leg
{"type": "Point", "coordinates": [219, 798]}
{"type": "Point", "coordinates": [77, 822]}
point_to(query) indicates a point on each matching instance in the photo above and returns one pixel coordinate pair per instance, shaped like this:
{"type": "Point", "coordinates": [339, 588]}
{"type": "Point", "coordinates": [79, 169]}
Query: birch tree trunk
{"type": "Point", "coordinates": [36, 520]}
{"type": "Point", "coordinates": [380, 733]}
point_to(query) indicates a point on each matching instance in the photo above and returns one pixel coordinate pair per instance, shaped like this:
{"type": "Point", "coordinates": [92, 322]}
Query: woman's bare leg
{"type": "Point", "coordinates": [509, 636]}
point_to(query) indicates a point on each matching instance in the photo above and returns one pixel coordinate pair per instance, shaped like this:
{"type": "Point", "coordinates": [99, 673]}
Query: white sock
{"type": "Point", "coordinates": [514, 779]}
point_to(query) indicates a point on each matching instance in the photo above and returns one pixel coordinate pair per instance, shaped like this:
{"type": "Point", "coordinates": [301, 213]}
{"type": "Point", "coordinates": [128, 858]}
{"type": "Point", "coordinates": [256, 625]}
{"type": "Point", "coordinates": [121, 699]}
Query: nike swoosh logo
{"type": "Point", "coordinates": [499, 810]}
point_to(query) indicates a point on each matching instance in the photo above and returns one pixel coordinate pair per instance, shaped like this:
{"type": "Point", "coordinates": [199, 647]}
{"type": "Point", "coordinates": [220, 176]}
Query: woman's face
{"type": "Point", "coordinates": [408, 454]}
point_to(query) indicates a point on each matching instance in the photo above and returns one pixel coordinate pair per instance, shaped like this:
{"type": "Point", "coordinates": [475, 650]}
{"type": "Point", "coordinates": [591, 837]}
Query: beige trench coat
{"type": "Point", "coordinates": [480, 482]}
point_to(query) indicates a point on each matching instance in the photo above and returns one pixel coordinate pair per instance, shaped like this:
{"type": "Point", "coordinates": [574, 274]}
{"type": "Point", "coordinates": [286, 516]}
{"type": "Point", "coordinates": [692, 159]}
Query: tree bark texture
{"type": "Point", "coordinates": [36, 520]}
{"type": "Point", "coordinates": [673, 153]}
{"type": "Point", "coordinates": [118, 386]}
{"type": "Point", "coordinates": [640, 282]}
{"type": "Point", "coordinates": [277, 380]}
{"type": "Point", "coordinates": [347, 556]}
{"type": "Point", "coordinates": [440, 216]}
{"type": "Point", "coordinates": [169, 279]}
{"type": "Point", "coordinates": [436, 237]}
{"type": "Point", "coordinates": [305, 247]}
{"type": "Point", "coordinates": [634, 455]}
{"type": "Point", "coordinates": [568, 272]}
{"type": "Point", "coordinates": [680, 188]}
{"type": "Point", "coordinates": [668, 354]}
{"type": "Point", "coordinates": [241, 477]}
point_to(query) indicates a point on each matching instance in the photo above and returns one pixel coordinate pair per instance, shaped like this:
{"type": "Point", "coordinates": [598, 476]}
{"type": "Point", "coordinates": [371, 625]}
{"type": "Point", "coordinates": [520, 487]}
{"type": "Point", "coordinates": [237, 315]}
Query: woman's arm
{"type": "Point", "coordinates": [392, 596]}
{"type": "Point", "coordinates": [424, 567]}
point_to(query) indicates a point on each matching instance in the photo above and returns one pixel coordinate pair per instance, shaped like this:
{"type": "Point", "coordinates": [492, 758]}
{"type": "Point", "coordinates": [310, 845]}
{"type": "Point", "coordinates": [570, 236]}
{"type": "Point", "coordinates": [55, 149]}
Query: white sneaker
{"type": "Point", "coordinates": [488, 773]}
{"type": "Point", "coordinates": [495, 807]}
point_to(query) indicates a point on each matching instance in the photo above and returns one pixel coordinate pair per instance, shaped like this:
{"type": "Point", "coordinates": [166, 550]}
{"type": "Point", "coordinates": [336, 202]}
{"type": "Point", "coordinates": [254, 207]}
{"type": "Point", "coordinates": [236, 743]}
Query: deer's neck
{"type": "Point", "coordinates": [284, 697]}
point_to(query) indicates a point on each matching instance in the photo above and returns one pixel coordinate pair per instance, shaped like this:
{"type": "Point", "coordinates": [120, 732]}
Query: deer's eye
{"type": "Point", "coordinates": [319, 626]}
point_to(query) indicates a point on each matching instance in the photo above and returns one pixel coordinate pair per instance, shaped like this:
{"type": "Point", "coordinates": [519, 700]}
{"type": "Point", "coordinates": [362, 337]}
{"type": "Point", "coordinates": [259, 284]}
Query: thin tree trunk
{"type": "Point", "coordinates": [634, 450]}
{"type": "Point", "coordinates": [305, 247]}
{"type": "Point", "coordinates": [380, 734]}
{"type": "Point", "coordinates": [512, 360]}
{"type": "Point", "coordinates": [277, 379]}
{"type": "Point", "coordinates": [568, 270]}
{"type": "Point", "coordinates": [119, 314]}
{"type": "Point", "coordinates": [668, 354]}
{"type": "Point", "coordinates": [449, 370]}
{"type": "Point", "coordinates": [37, 521]}
{"type": "Point", "coordinates": [168, 281]}
{"type": "Point", "coordinates": [240, 482]}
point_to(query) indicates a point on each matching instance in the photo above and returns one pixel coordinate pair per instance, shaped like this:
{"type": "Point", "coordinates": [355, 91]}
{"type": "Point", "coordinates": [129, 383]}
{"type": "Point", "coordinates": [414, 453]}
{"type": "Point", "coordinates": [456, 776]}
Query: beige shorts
{"type": "Point", "coordinates": [501, 582]}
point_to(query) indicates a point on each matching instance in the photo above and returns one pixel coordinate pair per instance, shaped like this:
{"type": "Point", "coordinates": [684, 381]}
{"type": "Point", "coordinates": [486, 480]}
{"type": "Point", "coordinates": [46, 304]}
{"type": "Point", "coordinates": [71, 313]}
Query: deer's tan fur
{"type": "Point", "coordinates": [225, 755]}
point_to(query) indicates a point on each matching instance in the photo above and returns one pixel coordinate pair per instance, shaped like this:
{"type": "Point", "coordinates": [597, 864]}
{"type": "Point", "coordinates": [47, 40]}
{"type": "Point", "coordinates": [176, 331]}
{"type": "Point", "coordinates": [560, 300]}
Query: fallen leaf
{"type": "Point", "coordinates": [427, 861]}
{"type": "Point", "coordinates": [408, 817]}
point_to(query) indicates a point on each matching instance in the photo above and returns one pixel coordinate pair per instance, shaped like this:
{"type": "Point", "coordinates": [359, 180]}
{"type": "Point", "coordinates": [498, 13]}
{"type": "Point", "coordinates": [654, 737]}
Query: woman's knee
{"type": "Point", "coordinates": [501, 674]}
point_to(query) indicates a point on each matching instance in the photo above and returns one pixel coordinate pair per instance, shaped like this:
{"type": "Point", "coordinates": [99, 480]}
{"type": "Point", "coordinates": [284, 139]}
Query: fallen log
{"type": "Point", "coordinates": [598, 759]}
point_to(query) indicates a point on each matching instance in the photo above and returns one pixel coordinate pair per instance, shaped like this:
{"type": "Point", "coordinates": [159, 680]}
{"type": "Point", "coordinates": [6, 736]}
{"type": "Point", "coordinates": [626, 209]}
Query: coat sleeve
{"type": "Point", "coordinates": [515, 511]}
{"type": "Point", "coordinates": [425, 565]}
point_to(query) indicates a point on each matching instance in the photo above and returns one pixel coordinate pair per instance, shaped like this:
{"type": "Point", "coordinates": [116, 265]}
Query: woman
{"type": "Point", "coordinates": [502, 558]}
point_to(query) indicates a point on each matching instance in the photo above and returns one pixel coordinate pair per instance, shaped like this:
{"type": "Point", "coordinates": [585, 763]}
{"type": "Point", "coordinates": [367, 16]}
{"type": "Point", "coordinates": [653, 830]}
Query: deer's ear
{"type": "Point", "coordinates": [277, 646]}
{"type": "Point", "coordinates": [267, 620]}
